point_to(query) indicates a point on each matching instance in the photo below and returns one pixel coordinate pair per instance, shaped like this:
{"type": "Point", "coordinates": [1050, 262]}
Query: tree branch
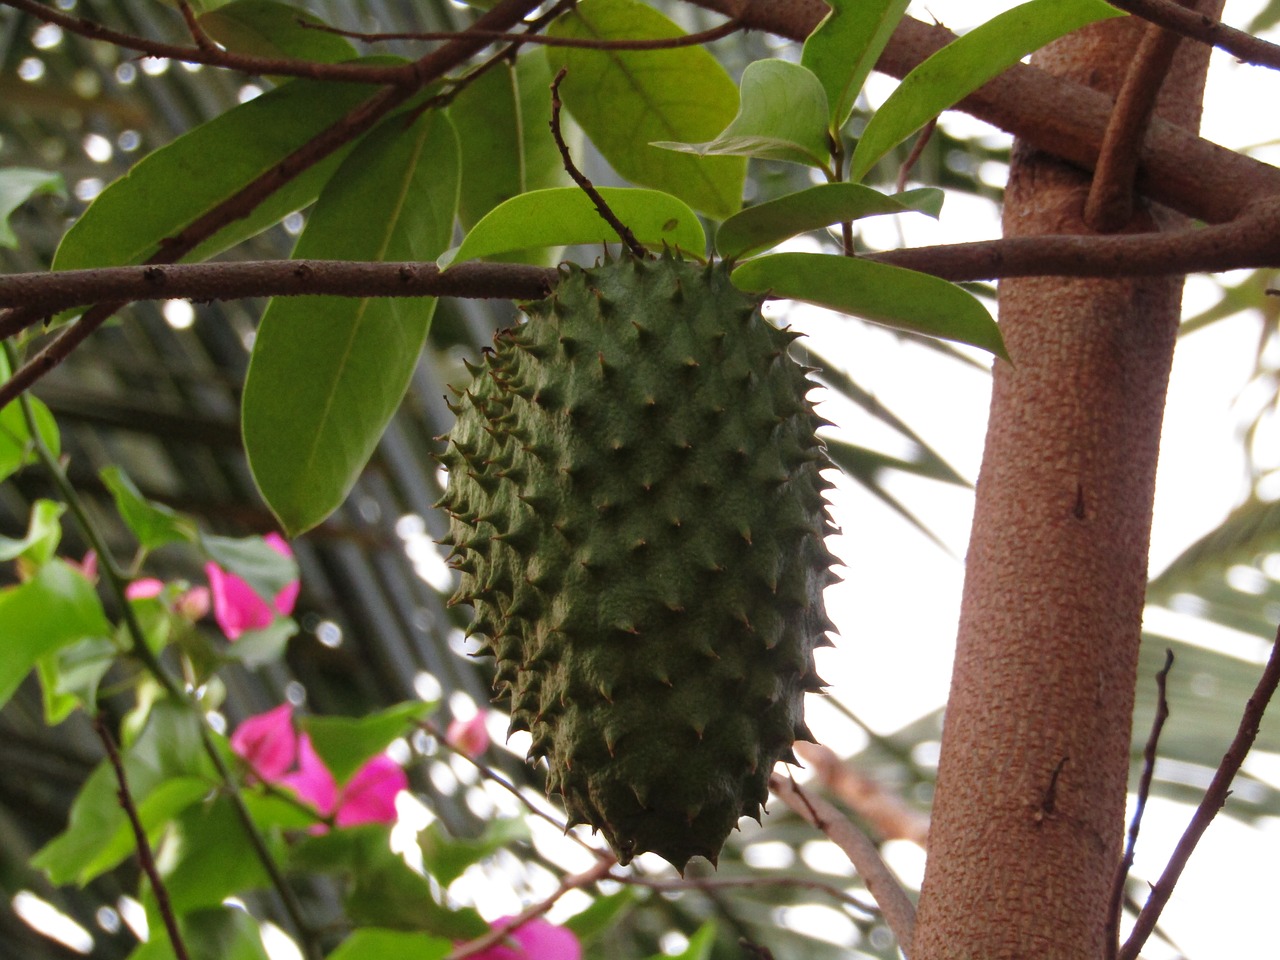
{"type": "Point", "coordinates": [1243, 46]}
{"type": "Point", "coordinates": [1175, 168]}
{"type": "Point", "coordinates": [896, 908]}
{"type": "Point", "coordinates": [1214, 797]}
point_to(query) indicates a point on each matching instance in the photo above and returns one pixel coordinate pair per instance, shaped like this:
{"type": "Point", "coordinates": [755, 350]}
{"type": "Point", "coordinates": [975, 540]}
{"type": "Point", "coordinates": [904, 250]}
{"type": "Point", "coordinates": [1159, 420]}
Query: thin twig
{"type": "Point", "coordinates": [733, 883]}
{"type": "Point", "coordinates": [193, 27]}
{"type": "Point", "coordinates": [895, 906]}
{"type": "Point", "coordinates": [1214, 797]}
{"type": "Point", "coordinates": [145, 858]}
{"type": "Point", "coordinates": [1245, 47]}
{"type": "Point", "coordinates": [1109, 205]}
{"type": "Point", "coordinates": [917, 149]}
{"type": "Point", "coordinates": [1140, 805]}
{"type": "Point", "coordinates": [520, 39]}
{"type": "Point", "coordinates": [499, 933]}
{"type": "Point", "coordinates": [609, 217]}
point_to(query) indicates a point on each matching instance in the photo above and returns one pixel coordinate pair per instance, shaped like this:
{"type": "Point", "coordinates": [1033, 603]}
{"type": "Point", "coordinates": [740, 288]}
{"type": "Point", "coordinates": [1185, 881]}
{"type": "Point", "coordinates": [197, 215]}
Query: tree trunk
{"type": "Point", "coordinates": [1029, 813]}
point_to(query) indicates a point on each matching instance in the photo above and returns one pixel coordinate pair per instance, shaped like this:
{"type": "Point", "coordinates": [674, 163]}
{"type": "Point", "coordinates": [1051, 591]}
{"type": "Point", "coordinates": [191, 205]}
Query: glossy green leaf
{"type": "Point", "coordinates": [760, 227]}
{"type": "Point", "coordinates": [264, 28]}
{"type": "Point", "coordinates": [253, 560]}
{"type": "Point", "coordinates": [964, 65]}
{"type": "Point", "coordinates": [154, 524]}
{"type": "Point", "coordinates": [167, 752]}
{"type": "Point", "coordinates": [174, 186]}
{"type": "Point", "coordinates": [17, 186]}
{"type": "Point", "coordinates": [846, 45]}
{"type": "Point", "coordinates": [446, 857]}
{"type": "Point", "coordinates": [903, 299]}
{"type": "Point", "coordinates": [783, 117]}
{"type": "Point", "coordinates": [214, 933]}
{"type": "Point", "coordinates": [69, 676]}
{"type": "Point", "coordinates": [503, 136]}
{"type": "Point", "coordinates": [625, 100]}
{"type": "Point", "coordinates": [345, 743]}
{"type": "Point", "coordinates": [565, 215]}
{"type": "Point", "coordinates": [55, 608]}
{"type": "Point", "coordinates": [256, 648]}
{"type": "Point", "coordinates": [373, 944]}
{"type": "Point", "coordinates": [44, 531]}
{"type": "Point", "coordinates": [327, 373]}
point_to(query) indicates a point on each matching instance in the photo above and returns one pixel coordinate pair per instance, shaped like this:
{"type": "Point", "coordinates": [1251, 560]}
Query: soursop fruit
{"type": "Point", "coordinates": [637, 513]}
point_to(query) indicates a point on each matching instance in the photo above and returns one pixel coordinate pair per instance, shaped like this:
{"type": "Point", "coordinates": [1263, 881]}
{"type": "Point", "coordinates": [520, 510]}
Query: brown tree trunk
{"type": "Point", "coordinates": [1029, 812]}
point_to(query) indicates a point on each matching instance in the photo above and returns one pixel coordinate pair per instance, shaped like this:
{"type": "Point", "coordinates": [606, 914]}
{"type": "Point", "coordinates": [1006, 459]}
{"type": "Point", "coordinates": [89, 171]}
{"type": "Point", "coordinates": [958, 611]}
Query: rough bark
{"type": "Point", "coordinates": [1028, 816]}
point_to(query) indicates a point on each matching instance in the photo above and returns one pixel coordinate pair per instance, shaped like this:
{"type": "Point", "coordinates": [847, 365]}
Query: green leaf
{"type": "Point", "coordinates": [154, 524]}
{"type": "Point", "coordinates": [345, 743]}
{"type": "Point", "coordinates": [373, 944]}
{"type": "Point", "coordinates": [760, 227]}
{"type": "Point", "coordinates": [846, 45]}
{"type": "Point", "coordinates": [216, 933]}
{"type": "Point", "coordinates": [625, 100]}
{"type": "Point", "coordinates": [698, 948]}
{"type": "Point", "coordinates": [208, 857]}
{"type": "Point", "coordinates": [383, 891]}
{"type": "Point", "coordinates": [16, 446]}
{"type": "Point", "coordinates": [174, 186]}
{"type": "Point", "coordinates": [255, 648]}
{"type": "Point", "coordinates": [264, 28]}
{"type": "Point", "coordinates": [327, 373]}
{"type": "Point", "coordinates": [504, 138]}
{"type": "Point", "coordinates": [17, 186]}
{"type": "Point", "coordinates": [564, 215]}
{"type": "Point", "coordinates": [168, 759]}
{"type": "Point", "coordinates": [964, 65]}
{"type": "Point", "coordinates": [253, 560]}
{"type": "Point", "coordinates": [43, 534]}
{"type": "Point", "coordinates": [446, 857]}
{"type": "Point", "coordinates": [783, 117]}
{"type": "Point", "coordinates": [601, 915]}
{"type": "Point", "coordinates": [903, 299]}
{"type": "Point", "coordinates": [69, 676]}
{"type": "Point", "coordinates": [54, 609]}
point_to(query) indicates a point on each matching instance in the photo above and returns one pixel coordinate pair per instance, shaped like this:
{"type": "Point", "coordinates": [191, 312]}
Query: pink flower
{"type": "Point", "coordinates": [468, 737]}
{"type": "Point", "coordinates": [237, 607]}
{"type": "Point", "coordinates": [144, 589]}
{"type": "Point", "coordinates": [278, 754]}
{"type": "Point", "coordinates": [194, 604]}
{"type": "Point", "coordinates": [535, 940]}
{"type": "Point", "coordinates": [268, 742]}
{"type": "Point", "coordinates": [88, 566]}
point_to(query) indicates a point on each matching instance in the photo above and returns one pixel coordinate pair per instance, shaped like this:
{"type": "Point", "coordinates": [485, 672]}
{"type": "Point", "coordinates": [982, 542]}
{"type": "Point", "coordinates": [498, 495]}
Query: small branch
{"type": "Point", "coordinates": [734, 883]}
{"type": "Point", "coordinates": [1214, 797]}
{"type": "Point", "coordinates": [1140, 805]}
{"type": "Point", "coordinates": [1109, 205]}
{"type": "Point", "coordinates": [917, 148]}
{"type": "Point", "coordinates": [499, 933]}
{"type": "Point", "coordinates": [886, 812]}
{"type": "Point", "coordinates": [896, 907]}
{"type": "Point", "coordinates": [145, 858]}
{"type": "Point", "coordinates": [588, 188]}
{"type": "Point", "coordinates": [520, 39]}
{"type": "Point", "coordinates": [1245, 47]}
{"type": "Point", "coordinates": [193, 27]}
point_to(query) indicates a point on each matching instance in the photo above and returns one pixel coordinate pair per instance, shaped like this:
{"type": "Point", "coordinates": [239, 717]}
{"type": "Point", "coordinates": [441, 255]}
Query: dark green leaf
{"type": "Point", "coordinates": [846, 45]}
{"type": "Point", "coordinates": [177, 184]}
{"type": "Point", "coordinates": [264, 28]}
{"type": "Point", "coordinates": [327, 373]}
{"type": "Point", "coordinates": [17, 186]}
{"type": "Point", "coordinates": [44, 531]}
{"type": "Point", "coordinates": [602, 914]}
{"type": "Point", "coordinates": [783, 117]}
{"type": "Point", "coordinates": [372, 944]}
{"type": "Point", "coordinates": [503, 135]}
{"type": "Point", "coordinates": [446, 857]}
{"type": "Point", "coordinates": [760, 227]}
{"type": "Point", "coordinates": [903, 299]}
{"type": "Point", "coordinates": [345, 743]}
{"type": "Point", "coordinates": [55, 608]}
{"type": "Point", "coordinates": [154, 524]}
{"type": "Point", "coordinates": [215, 933]}
{"type": "Point", "coordinates": [625, 100]}
{"type": "Point", "coordinates": [564, 215]}
{"type": "Point", "coordinates": [964, 65]}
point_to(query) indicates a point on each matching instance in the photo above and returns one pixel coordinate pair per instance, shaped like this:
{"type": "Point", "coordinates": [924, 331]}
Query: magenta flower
{"type": "Point", "coordinates": [468, 737]}
{"type": "Point", "coordinates": [535, 940]}
{"type": "Point", "coordinates": [278, 754]}
{"type": "Point", "coordinates": [237, 607]}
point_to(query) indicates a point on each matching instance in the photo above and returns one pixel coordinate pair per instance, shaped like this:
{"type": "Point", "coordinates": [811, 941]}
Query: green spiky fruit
{"type": "Point", "coordinates": [637, 513]}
